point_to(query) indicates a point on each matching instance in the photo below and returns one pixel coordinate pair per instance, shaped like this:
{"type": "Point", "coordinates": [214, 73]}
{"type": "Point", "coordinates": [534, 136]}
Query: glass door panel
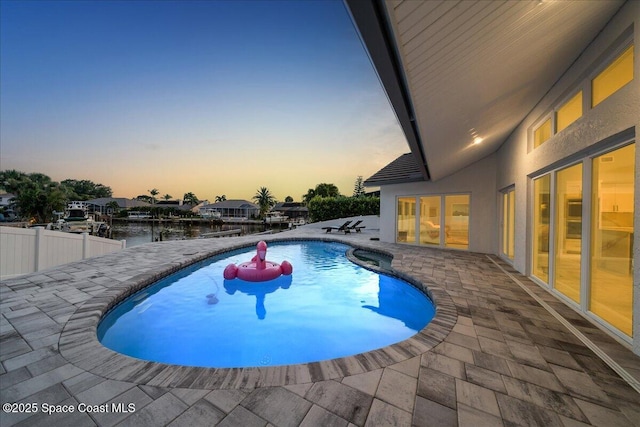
{"type": "Point", "coordinates": [456, 225]}
{"type": "Point", "coordinates": [406, 220]}
{"type": "Point", "coordinates": [611, 287]}
{"type": "Point", "coordinates": [568, 231]}
{"type": "Point", "coordinates": [430, 220]}
{"type": "Point", "coordinates": [541, 216]}
{"type": "Point", "coordinates": [508, 223]}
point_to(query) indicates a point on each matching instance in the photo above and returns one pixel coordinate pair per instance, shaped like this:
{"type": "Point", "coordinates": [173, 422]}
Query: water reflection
{"type": "Point", "coordinates": [389, 305]}
{"type": "Point", "coordinates": [258, 289]}
{"type": "Point", "coordinates": [138, 233]}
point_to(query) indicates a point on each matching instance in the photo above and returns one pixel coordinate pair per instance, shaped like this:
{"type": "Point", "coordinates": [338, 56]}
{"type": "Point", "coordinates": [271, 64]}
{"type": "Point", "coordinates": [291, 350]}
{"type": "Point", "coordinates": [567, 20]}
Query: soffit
{"type": "Point", "coordinates": [479, 67]}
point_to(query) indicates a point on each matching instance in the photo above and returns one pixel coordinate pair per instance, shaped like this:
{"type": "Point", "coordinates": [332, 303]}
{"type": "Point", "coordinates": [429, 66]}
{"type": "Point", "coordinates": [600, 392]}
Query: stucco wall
{"type": "Point", "coordinates": [615, 119]}
{"type": "Point", "coordinates": [596, 129]}
{"type": "Point", "coordinates": [478, 179]}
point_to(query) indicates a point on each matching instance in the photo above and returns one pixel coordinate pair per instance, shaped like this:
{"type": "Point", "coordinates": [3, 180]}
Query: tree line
{"type": "Point", "coordinates": [37, 196]}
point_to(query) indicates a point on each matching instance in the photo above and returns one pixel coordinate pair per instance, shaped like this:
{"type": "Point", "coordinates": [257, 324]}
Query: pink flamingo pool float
{"type": "Point", "coordinates": [258, 269]}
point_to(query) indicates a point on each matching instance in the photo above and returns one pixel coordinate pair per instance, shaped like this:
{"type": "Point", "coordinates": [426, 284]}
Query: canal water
{"type": "Point", "coordinates": [138, 233]}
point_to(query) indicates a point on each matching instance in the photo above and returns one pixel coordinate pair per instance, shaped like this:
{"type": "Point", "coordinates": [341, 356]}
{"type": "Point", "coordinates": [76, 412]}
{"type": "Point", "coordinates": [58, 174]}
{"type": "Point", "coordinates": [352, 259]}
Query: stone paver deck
{"type": "Point", "coordinates": [492, 356]}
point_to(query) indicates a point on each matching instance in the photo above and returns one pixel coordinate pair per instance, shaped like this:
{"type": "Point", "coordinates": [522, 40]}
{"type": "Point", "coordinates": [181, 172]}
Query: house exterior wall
{"type": "Point", "coordinates": [478, 180]}
{"type": "Point", "coordinates": [616, 119]}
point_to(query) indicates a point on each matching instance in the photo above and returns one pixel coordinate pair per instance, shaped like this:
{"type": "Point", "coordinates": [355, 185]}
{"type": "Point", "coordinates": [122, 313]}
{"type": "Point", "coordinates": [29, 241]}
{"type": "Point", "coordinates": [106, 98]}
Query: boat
{"type": "Point", "coordinates": [210, 214]}
{"type": "Point", "coordinates": [77, 219]}
{"type": "Point", "coordinates": [77, 211]}
{"type": "Point", "coordinates": [275, 218]}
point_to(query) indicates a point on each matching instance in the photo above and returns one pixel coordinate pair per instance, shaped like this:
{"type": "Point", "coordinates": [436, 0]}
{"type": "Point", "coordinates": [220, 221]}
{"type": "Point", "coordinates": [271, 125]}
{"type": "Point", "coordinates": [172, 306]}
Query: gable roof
{"type": "Point", "coordinates": [233, 204]}
{"type": "Point", "coordinates": [401, 170]}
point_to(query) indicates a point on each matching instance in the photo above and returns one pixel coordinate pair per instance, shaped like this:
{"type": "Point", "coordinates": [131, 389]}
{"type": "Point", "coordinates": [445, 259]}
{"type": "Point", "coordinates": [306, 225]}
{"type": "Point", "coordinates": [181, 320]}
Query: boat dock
{"type": "Point", "coordinates": [225, 233]}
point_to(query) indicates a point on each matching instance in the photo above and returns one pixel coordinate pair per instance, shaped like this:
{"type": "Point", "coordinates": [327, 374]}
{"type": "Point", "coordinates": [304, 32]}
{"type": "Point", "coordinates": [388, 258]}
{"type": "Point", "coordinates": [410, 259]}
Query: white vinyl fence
{"type": "Point", "coordinates": [27, 250]}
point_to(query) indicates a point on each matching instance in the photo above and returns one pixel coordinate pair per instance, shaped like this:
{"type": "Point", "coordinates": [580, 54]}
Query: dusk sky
{"type": "Point", "coordinates": [209, 97]}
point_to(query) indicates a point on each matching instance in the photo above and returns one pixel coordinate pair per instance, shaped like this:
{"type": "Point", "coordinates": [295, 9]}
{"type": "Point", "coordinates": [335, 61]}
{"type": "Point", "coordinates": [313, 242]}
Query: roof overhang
{"type": "Point", "coordinates": [459, 71]}
{"type": "Point", "coordinates": [369, 17]}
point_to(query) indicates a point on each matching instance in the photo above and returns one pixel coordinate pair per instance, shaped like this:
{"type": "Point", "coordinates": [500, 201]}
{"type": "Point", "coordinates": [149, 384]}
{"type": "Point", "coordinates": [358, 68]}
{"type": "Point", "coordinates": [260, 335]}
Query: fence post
{"type": "Point", "coordinates": [39, 247]}
{"type": "Point", "coordinates": [85, 245]}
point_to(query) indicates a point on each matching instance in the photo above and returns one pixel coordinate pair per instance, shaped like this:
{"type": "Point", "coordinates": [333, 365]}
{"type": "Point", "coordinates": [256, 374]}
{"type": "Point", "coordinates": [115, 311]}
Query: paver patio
{"type": "Point", "coordinates": [492, 356]}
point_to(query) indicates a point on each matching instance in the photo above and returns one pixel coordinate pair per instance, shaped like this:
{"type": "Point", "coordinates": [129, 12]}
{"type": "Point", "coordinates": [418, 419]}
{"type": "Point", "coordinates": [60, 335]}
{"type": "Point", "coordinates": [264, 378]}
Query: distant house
{"type": "Point", "coordinates": [5, 207]}
{"type": "Point", "coordinates": [176, 204]}
{"type": "Point", "coordinates": [231, 209]}
{"type": "Point", "coordinates": [196, 209]}
{"type": "Point", "coordinates": [292, 210]}
{"type": "Point", "coordinates": [5, 199]}
{"type": "Point", "coordinates": [102, 205]}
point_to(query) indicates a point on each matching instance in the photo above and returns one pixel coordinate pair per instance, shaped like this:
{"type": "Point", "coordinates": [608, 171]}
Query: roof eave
{"type": "Point", "coordinates": [373, 28]}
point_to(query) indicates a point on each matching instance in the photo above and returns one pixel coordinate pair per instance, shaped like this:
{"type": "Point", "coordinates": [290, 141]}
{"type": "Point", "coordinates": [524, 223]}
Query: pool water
{"type": "Point", "coordinates": [328, 308]}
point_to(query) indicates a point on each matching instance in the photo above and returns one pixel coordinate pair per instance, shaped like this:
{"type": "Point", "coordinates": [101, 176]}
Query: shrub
{"type": "Point", "coordinates": [326, 208]}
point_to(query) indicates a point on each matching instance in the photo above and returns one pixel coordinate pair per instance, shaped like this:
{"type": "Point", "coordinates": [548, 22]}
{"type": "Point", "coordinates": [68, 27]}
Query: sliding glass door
{"type": "Point", "coordinates": [611, 281]}
{"type": "Point", "coordinates": [568, 231]}
{"type": "Point", "coordinates": [406, 227]}
{"type": "Point", "coordinates": [541, 224]}
{"type": "Point", "coordinates": [508, 223]}
{"type": "Point", "coordinates": [582, 247]}
{"type": "Point", "coordinates": [435, 220]}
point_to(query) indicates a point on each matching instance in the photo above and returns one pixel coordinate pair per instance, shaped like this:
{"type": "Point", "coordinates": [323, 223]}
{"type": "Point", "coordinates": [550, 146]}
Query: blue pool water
{"type": "Point", "coordinates": [328, 308]}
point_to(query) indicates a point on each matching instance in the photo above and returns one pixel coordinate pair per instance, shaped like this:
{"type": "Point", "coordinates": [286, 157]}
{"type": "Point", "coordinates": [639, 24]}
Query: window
{"type": "Point", "coordinates": [443, 220]}
{"type": "Point", "coordinates": [541, 212]}
{"type": "Point", "coordinates": [585, 252]}
{"type": "Point", "coordinates": [406, 219]}
{"type": "Point", "coordinates": [456, 222]}
{"type": "Point", "coordinates": [508, 223]}
{"type": "Point", "coordinates": [617, 74]}
{"type": "Point", "coordinates": [430, 220]}
{"type": "Point", "coordinates": [611, 279]}
{"type": "Point", "coordinates": [542, 133]}
{"type": "Point", "coordinates": [612, 78]}
{"type": "Point", "coordinates": [568, 231]}
{"type": "Point", "coordinates": [569, 112]}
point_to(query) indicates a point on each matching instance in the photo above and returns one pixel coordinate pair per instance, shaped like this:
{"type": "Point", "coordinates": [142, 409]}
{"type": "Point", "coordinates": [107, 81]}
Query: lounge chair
{"type": "Point", "coordinates": [357, 227]}
{"type": "Point", "coordinates": [343, 227]}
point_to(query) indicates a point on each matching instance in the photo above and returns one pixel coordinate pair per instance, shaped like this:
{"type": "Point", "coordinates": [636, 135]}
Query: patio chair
{"type": "Point", "coordinates": [357, 227]}
{"type": "Point", "coordinates": [343, 227]}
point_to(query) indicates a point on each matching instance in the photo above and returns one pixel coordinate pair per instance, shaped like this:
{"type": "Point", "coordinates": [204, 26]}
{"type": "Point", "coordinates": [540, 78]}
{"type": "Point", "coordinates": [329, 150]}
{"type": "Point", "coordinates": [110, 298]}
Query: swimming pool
{"type": "Point", "coordinates": [328, 308]}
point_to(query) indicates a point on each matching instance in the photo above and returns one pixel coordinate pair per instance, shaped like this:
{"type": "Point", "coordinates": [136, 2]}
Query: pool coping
{"type": "Point", "coordinates": [79, 343]}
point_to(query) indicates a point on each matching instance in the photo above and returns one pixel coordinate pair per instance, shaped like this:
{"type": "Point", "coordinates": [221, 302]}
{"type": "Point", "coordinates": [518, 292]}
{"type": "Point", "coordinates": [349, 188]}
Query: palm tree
{"type": "Point", "coordinates": [167, 197]}
{"type": "Point", "coordinates": [153, 193]}
{"type": "Point", "coordinates": [221, 198]}
{"type": "Point", "coordinates": [264, 199]}
{"type": "Point", "coordinates": [190, 199]}
{"type": "Point", "coordinates": [327, 190]}
{"type": "Point", "coordinates": [114, 206]}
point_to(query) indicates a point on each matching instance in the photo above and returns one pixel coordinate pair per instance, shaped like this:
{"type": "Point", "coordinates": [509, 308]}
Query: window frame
{"type": "Point", "coordinates": [565, 101]}
{"type": "Point", "coordinates": [586, 160]}
{"type": "Point", "coordinates": [605, 63]}
{"type": "Point", "coordinates": [584, 85]}
{"type": "Point", "coordinates": [417, 216]}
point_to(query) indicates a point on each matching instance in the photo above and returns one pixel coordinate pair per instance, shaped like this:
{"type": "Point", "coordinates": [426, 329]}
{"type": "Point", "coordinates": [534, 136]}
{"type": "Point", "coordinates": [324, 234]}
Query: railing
{"type": "Point", "coordinates": [27, 250]}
